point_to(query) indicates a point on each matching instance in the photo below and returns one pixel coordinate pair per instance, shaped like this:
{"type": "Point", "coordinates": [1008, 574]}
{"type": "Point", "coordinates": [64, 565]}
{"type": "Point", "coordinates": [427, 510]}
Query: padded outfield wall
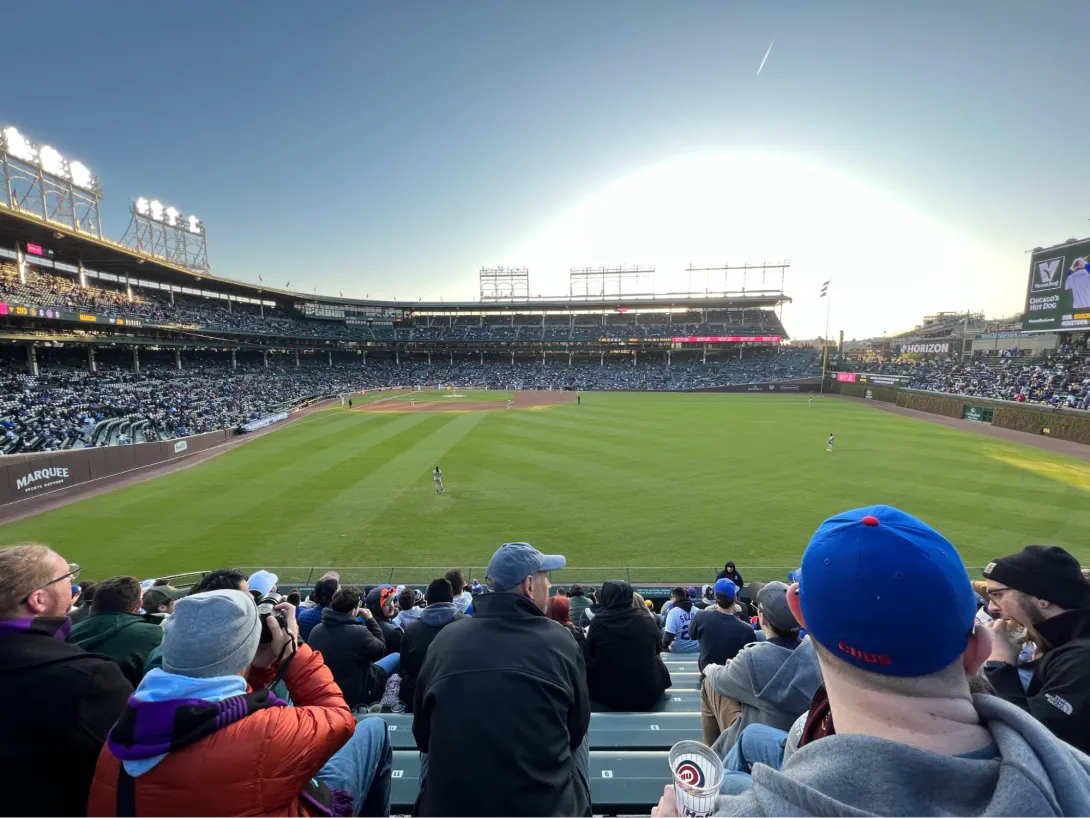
{"type": "Point", "coordinates": [1065, 424]}
{"type": "Point", "coordinates": [26, 477]}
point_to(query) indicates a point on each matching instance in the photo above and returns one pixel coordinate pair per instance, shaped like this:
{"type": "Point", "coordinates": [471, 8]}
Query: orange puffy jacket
{"type": "Point", "coordinates": [256, 766]}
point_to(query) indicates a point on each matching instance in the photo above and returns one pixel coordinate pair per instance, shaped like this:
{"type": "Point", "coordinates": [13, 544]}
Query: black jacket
{"type": "Point", "coordinates": [414, 645]}
{"type": "Point", "coordinates": [515, 679]}
{"type": "Point", "coordinates": [59, 704]}
{"type": "Point", "coordinates": [1059, 693]}
{"type": "Point", "coordinates": [624, 670]}
{"type": "Point", "coordinates": [390, 632]}
{"type": "Point", "coordinates": [736, 577]}
{"type": "Point", "coordinates": [349, 648]}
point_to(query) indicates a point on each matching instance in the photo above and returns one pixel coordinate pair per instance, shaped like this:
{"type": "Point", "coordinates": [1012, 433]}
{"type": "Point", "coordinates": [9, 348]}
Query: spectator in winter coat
{"type": "Point", "coordinates": [382, 602]}
{"type": "Point", "coordinates": [439, 613]}
{"type": "Point", "coordinates": [902, 733]}
{"type": "Point", "coordinates": [204, 735]}
{"type": "Point", "coordinates": [61, 700]}
{"type": "Point", "coordinates": [311, 613]}
{"type": "Point", "coordinates": [115, 629]}
{"type": "Point", "coordinates": [353, 648]}
{"type": "Point", "coordinates": [516, 677]}
{"type": "Point", "coordinates": [624, 667]}
{"type": "Point", "coordinates": [559, 611]}
{"type": "Point", "coordinates": [83, 607]}
{"type": "Point", "coordinates": [579, 603]}
{"type": "Point", "coordinates": [1042, 589]}
{"type": "Point", "coordinates": [769, 682]}
{"type": "Point", "coordinates": [731, 573]}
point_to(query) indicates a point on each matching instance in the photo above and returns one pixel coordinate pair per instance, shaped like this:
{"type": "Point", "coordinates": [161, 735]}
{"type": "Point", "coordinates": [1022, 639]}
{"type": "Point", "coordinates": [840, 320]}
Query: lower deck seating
{"type": "Point", "coordinates": [628, 751]}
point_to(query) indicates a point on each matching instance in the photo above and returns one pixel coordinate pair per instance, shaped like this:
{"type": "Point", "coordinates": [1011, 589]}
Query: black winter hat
{"type": "Point", "coordinates": [439, 591]}
{"type": "Point", "coordinates": [1044, 571]}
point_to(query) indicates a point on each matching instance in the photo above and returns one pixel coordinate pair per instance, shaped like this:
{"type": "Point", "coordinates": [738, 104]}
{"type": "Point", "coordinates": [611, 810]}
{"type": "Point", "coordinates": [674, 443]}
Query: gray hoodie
{"type": "Point", "coordinates": [773, 684]}
{"type": "Point", "coordinates": [1034, 773]}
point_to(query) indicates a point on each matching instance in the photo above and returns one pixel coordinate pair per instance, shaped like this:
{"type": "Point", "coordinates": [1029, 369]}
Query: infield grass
{"type": "Point", "coordinates": [663, 482]}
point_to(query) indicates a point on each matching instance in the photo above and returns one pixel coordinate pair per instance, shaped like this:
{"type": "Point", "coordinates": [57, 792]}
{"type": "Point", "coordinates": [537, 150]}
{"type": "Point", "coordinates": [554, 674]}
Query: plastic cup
{"type": "Point", "coordinates": [376, 707]}
{"type": "Point", "coordinates": [697, 772]}
{"type": "Point", "coordinates": [397, 707]}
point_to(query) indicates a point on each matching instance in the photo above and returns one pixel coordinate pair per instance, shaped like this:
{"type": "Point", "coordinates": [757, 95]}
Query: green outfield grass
{"type": "Point", "coordinates": [653, 480]}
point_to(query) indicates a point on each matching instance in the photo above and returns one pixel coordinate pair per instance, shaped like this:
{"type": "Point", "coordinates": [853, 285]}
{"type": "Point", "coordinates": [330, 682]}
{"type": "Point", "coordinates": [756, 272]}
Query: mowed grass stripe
{"type": "Point", "coordinates": [624, 479]}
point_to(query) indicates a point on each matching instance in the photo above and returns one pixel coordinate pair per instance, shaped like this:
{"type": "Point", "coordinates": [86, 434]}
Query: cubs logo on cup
{"type": "Point", "coordinates": [689, 773]}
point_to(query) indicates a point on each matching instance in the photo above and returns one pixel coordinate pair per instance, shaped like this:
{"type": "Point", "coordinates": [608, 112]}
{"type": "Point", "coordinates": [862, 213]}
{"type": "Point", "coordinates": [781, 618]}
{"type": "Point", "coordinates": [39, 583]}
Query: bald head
{"type": "Point", "coordinates": [27, 587]}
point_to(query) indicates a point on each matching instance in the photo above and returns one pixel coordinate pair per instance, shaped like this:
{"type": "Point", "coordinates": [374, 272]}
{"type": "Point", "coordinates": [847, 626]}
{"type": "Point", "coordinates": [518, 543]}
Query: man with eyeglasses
{"type": "Point", "coordinates": [60, 700]}
{"type": "Point", "coordinates": [1042, 589]}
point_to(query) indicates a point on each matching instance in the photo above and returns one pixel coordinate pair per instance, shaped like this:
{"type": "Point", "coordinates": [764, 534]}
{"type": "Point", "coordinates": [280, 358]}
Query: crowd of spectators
{"type": "Point", "coordinates": [834, 694]}
{"type": "Point", "coordinates": [1061, 380]}
{"type": "Point", "coordinates": [60, 407]}
{"type": "Point", "coordinates": [115, 299]}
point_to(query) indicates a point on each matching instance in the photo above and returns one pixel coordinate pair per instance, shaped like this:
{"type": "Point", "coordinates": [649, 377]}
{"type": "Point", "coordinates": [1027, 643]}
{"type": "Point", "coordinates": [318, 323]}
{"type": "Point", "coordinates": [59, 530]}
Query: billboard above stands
{"type": "Point", "coordinates": [1058, 292]}
{"type": "Point", "coordinates": [846, 377]}
{"type": "Point", "coordinates": [927, 346]}
{"type": "Point", "coordinates": [727, 339]}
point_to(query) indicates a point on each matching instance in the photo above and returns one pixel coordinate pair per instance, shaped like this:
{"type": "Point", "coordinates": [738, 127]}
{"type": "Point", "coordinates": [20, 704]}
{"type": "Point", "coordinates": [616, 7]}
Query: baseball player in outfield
{"type": "Point", "coordinates": [437, 476]}
{"type": "Point", "coordinates": [828, 448]}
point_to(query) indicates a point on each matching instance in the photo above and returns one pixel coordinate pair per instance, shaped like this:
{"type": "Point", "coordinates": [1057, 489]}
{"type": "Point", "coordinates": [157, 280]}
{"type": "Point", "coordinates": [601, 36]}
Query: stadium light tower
{"type": "Point", "coordinates": [40, 182]}
{"type": "Point", "coordinates": [162, 232]}
{"type": "Point", "coordinates": [505, 283]}
{"type": "Point", "coordinates": [598, 282]}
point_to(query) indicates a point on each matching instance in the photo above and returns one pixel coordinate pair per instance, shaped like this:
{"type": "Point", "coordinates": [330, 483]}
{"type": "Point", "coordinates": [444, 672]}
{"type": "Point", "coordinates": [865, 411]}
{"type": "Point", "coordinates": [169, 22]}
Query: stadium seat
{"type": "Point", "coordinates": [608, 731]}
{"type": "Point", "coordinates": [620, 782]}
{"type": "Point", "coordinates": [674, 701]}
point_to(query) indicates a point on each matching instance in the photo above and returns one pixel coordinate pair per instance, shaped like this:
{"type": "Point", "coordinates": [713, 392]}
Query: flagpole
{"type": "Point", "coordinates": [825, 341]}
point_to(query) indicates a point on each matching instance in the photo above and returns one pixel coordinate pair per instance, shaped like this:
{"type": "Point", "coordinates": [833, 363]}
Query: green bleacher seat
{"type": "Point", "coordinates": [674, 701]}
{"type": "Point", "coordinates": [608, 731]}
{"type": "Point", "coordinates": [685, 679]}
{"type": "Point", "coordinates": [620, 782]}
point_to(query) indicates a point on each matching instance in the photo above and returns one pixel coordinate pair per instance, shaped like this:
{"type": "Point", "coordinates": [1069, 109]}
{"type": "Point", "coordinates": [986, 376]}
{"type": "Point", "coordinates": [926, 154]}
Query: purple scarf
{"type": "Point", "coordinates": [59, 627]}
{"type": "Point", "coordinates": [149, 729]}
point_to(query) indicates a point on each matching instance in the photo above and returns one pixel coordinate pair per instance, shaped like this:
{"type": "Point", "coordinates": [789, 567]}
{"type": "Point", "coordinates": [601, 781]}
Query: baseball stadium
{"type": "Point", "coordinates": [181, 439]}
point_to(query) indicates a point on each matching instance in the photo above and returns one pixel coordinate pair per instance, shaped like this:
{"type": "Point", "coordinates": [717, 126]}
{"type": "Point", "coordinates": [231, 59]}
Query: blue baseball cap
{"type": "Point", "coordinates": [514, 561]}
{"type": "Point", "coordinates": [859, 573]}
{"type": "Point", "coordinates": [726, 587]}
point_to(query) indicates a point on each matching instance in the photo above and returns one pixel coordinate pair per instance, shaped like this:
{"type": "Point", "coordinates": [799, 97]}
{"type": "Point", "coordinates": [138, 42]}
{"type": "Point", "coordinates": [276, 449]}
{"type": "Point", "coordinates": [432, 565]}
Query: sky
{"type": "Point", "coordinates": [908, 152]}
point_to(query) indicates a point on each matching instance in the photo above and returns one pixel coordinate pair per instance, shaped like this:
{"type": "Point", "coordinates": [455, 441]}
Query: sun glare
{"type": "Point", "coordinates": [738, 207]}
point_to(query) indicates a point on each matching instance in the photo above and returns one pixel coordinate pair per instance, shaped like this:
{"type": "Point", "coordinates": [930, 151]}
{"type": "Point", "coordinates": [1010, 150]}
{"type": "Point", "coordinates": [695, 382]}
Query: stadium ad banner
{"type": "Point", "coordinates": [928, 346]}
{"type": "Point", "coordinates": [1058, 293]}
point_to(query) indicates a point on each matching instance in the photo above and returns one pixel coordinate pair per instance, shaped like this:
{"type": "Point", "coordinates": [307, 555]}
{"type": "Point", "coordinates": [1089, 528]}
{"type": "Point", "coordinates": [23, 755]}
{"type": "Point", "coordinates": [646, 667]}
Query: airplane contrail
{"type": "Point", "coordinates": [765, 59]}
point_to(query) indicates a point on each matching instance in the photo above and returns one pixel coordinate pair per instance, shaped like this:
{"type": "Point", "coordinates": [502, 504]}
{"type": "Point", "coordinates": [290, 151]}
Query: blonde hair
{"type": "Point", "coordinates": [23, 570]}
{"type": "Point", "coordinates": [638, 601]}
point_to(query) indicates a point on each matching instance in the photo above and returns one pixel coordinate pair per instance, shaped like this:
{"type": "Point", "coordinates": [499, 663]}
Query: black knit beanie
{"type": "Point", "coordinates": [1044, 571]}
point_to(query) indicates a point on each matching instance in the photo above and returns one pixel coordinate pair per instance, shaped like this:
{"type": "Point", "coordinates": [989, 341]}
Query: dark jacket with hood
{"type": "Point", "coordinates": [624, 669]}
{"type": "Point", "coordinates": [414, 645]}
{"type": "Point", "coordinates": [517, 677]}
{"type": "Point", "coordinates": [734, 576]}
{"type": "Point", "coordinates": [390, 632]}
{"type": "Point", "coordinates": [61, 702]}
{"type": "Point", "coordinates": [349, 650]}
{"type": "Point", "coordinates": [589, 612]}
{"type": "Point", "coordinates": [579, 603]}
{"type": "Point", "coordinates": [124, 637]}
{"type": "Point", "coordinates": [1059, 692]}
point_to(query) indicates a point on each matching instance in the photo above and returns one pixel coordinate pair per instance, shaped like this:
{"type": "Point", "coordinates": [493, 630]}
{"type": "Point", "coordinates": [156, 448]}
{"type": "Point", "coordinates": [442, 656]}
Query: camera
{"type": "Point", "coordinates": [266, 607]}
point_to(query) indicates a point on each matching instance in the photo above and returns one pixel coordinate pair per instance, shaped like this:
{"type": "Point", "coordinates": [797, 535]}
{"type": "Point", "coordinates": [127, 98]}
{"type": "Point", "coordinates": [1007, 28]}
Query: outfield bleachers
{"type": "Point", "coordinates": [628, 751]}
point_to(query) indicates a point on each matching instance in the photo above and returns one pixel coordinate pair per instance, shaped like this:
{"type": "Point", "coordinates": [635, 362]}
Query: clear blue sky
{"type": "Point", "coordinates": [393, 148]}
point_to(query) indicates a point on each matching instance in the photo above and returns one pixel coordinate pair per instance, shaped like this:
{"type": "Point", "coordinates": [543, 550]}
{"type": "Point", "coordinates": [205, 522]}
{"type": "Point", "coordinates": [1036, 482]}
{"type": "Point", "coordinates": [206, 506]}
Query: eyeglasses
{"type": "Point", "coordinates": [996, 594]}
{"type": "Point", "coordinates": [73, 573]}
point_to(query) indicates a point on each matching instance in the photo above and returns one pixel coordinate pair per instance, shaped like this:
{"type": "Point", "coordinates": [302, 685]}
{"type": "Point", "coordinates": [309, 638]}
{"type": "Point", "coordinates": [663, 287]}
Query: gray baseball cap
{"type": "Point", "coordinates": [514, 561]}
{"type": "Point", "coordinates": [772, 602]}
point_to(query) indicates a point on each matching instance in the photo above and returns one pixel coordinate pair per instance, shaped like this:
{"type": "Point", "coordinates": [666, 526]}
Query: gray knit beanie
{"type": "Point", "coordinates": [211, 634]}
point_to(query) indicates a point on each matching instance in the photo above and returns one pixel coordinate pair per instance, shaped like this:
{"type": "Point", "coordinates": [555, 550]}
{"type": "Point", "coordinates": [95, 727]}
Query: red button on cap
{"type": "Point", "coordinates": [869, 520]}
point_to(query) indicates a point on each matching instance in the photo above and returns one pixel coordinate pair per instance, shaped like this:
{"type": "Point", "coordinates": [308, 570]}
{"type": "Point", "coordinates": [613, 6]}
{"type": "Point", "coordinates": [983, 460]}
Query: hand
{"type": "Point", "coordinates": [289, 614]}
{"type": "Point", "coordinates": [708, 668]}
{"type": "Point", "coordinates": [667, 806]}
{"type": "Point", "coordinates": [1002, 649]}
{"type": "Point", "coordinates": [365, 614]}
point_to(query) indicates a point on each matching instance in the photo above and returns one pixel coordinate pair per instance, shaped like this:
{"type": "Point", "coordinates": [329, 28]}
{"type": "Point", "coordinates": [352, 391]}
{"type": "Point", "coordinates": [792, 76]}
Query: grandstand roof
{"type": "Point", "coordinates": [107, 256]}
